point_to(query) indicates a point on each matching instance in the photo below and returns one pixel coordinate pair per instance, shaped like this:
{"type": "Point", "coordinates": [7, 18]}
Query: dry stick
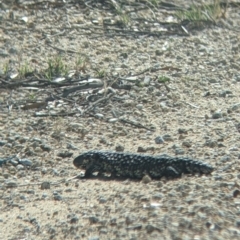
{"type": "Point", "coordinates": [191, 105]}
{"type": "Point", "coordinates": [43, 83]}
{"type": "Point", "coordinates": [81, 87]}
{"type": "Point", "coordinates": [134, 123]}
{"type": "Point", "coordinates": [97, 102]}
{"type": "Point", "coordinates": [55, 96]}
{"type": "Point", "coordinates": [152, 69]}
{"type": "Point", "coordinates": [62, 50]}
{"type": "Point", "coordinates": [123, 32]}
{"type": "Point", "coordinates": [54, 114]}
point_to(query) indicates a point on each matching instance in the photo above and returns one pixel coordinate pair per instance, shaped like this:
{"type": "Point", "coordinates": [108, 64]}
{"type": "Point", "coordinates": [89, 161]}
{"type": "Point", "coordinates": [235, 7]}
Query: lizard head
{"type": "Point", "coordinates": [85, 159]}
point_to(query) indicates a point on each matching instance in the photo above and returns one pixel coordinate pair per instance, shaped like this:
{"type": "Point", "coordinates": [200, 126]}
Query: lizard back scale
{"type": "Point", "coordinates": [130, 165]}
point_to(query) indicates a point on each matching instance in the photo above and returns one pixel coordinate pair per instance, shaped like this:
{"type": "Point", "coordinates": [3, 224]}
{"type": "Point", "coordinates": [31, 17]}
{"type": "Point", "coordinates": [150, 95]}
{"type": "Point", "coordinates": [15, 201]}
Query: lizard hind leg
{"type": "Point", "coordinates": [171, 172]}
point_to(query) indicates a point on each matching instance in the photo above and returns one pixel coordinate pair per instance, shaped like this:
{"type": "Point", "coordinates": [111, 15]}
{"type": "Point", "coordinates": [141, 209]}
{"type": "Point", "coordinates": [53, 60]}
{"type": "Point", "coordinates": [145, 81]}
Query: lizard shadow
{"type": "Point", "coordinates": [110, 179]}
{"type": "Point", "coordinates": [106, 178]}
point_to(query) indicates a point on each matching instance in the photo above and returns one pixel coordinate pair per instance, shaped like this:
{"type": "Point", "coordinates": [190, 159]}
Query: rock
{"type": "Point", "coordinates": [146, 81]}
{"type": "Point", "coordinates": [150, 228]}
{"type": "Point", "coordinates": [3, 161]}
{"type": "Point", "coordinates": [159, 140]}
{"type": "Point", "coordinates": [211, 143]}
{"type": "Point", "coordinates": [113, 120]}
{"type": "Point", "coordinates": [99, 115]}
{"type": "Point", "coordinates": [2, 143]}
{"type": "Point", "coordinates": [103, 231]}
{"type": "Point", "coordinates": [75, 126]}
{"type": "Point", "coordinates": [236, 193]}
{"type": "Point", "coordinates": [103, 140]}
{"type": "Point", "coordinates": [119, 148]}
{"type": "Point", "coordinates": [11, 184]}
{"type": "Point", "coordinates": [135, 227]}
{"type": "Point", "coordinates": [157, 196]}
{"type": "Point", "coordinates": [38, 150]}
{"type": "Point", "coordinates": [71, 146]}
{"type": "Point", "coordinates": [146, 179]}
{"type": "Point", "coordinates": [141, 149]}
{"type": "Point", "coordinates": [23, 139]}
{"type": "Point", "coordinates": [235, 107]}
{"type": "Point", "coordinates": [187, 144]}
{"type": "Point", "coordinates": [93, 219]}
{"type": "Point", "coordinates": [13, 162]}
{"type": "Point", "coordinates": [238, 223]}
{"type": "Point", "coordinates": [225, 158]}
{"type": "Point", "coordinates": [113, 222]}
{"type": "Point", "coordinates": [44, 196]}
{"type": "Point", "coordinates": [65, 154]}
{"type": "Point", "coordinates": [38, 140]}
{"type": "Point", "coordinates": [25, 162]}
{"type": "Point", "coordinates": [74, 220]}
{"type": "Point", "coordinates": [129, 220]}
{"type": "Point", "coordinates": [224, 93]}
{"type": "Point", "coordinates": [94, 238]}
{"type": "Point", "coordinates": [102, 200]}
{"type": "Point", "coordinates": [46, 147]}
{"type": "Point", "coordinates": [164, 107]}
{"type": "Point", "coordinates": [57, 196]}
{"type": "Point", "coordinates": [139, 106]}
{"type": "Point", "coordinates": [159, 184]}
{"type": "Point", "coordinates": [19, 167]}
{"type": "Point", "coordinates": [45, 185]}
{"type": "Point", "coordinates": [178, 150]}
{"type": "Point", "coordinates": [167, 137]}
{"type": "Point", "coordinates": [18, 122]}
{"type": "Point", "coordinates": [217, 115]}
{"type": "Point", "coordinates": [182, 131]}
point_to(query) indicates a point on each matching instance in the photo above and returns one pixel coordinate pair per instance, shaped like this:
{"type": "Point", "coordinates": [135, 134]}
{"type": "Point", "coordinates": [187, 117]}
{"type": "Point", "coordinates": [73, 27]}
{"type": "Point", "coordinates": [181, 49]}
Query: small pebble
{"type": "Point", "coordinates": [71, 146]}
{"type": "Point", "coordinates": [20, 167]}
{"type": "Point", "coordinates": [45, 185]}
{"type": "Point", "coordinates": [159, 140]}
{"type": "Point", "coordinates": [25, 162]}
{"type": "Point", "coordinates": [146, 179]}
{"type": "Point", "coordinates": [157, 196]}
{"type": "Point", "coordinates": [235, 107]}
{"type": "Point", "coordinates": [99, 115]}
{"type": "Point", "coordinates": [182, 131]}
{"type": "Point", "coordinates": [238, 223]}
{"type": "Point", "coordinates": [217, 115]}
{"type": "Point", "coordinates": [141, 149]}
{"type": "Point", "coordinates": [11, 184]}
{"type": "Point", "coordinates": [119, 148]}
{"type": "Point", "coordinates": [65, 154]}
{"type": "Point", "coordinates": [2, 143]}
{"type": "Point", "coordinates": [93, 219]}
{"type": "Point", "coordinates": [139, 106]}
{"type": "Point", "coordinates": [57, 197]}
{"type": "Point", "coordinates": [167, 137]}
{"type": "Point", "coordinates": [187, 144]}
{"type": "Point", "coordinates": [46, 147]}
{"type": "Point", "coordinates": [150, 228]}
{"type": "Point", "coordinates": [94, 238]}
{"type": "Point", "coordinates": [113, 120]}
{"type": "Point", "coordinates": [236, 193]}
{"type": "Point", "coordinates": [102, 200]}
{"type": "Point", "coordinates": [74, 220]}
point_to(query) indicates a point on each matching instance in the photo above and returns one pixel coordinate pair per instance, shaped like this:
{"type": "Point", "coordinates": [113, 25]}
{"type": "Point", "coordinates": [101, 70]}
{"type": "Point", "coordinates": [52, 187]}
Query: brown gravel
{"type": "Point", "coordinates": [195, 114]}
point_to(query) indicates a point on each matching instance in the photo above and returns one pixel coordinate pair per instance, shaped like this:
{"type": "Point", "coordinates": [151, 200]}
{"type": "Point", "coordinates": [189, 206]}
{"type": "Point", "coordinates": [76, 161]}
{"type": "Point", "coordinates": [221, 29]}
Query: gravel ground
{"type": "Point", "coordinates": [194, 114]}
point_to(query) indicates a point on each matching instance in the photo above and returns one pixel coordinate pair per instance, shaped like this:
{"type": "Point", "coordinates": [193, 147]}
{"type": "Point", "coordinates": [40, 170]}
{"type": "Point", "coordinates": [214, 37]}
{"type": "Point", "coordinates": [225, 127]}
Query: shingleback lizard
{"type": "Point", "coordinates": [131, 165]}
